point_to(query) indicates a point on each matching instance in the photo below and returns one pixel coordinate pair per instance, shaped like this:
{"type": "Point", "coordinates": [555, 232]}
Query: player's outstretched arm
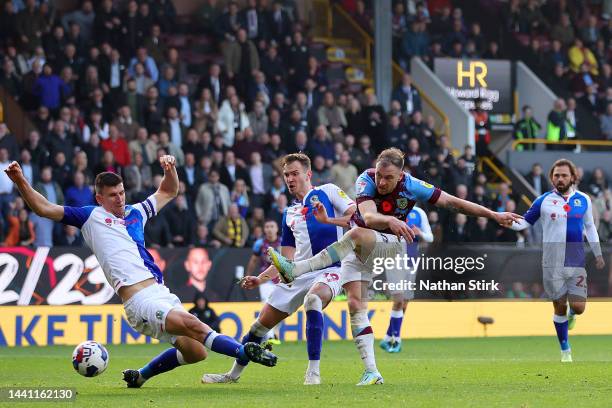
{"type": "Point", "coordinates": [169, 187]}
{"type": "Point", "coordinates": [456, 204]}
{"type": "Point", "coordinates": [375, 220]}
{"type": "Point", "coordinates": [36, 201]}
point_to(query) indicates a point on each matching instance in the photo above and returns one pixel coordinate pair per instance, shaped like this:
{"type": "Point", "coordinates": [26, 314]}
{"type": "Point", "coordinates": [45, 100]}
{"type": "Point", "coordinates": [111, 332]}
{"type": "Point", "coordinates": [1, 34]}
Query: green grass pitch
{"type": "Point", "coordinates": [487, 372]}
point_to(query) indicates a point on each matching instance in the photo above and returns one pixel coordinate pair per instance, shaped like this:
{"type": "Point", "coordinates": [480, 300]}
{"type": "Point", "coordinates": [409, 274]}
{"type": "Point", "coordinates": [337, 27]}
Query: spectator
{"type": "Point", "coordinates": [213, 200]}
{"type": "Point", "coordinates": [116, 143]}
{"type": "Point", "coordinates": [563, 31]}
{"type": "Point", "coordinates": [180, 222]}
{"type": "Point", "coordinates": [50, 89]}
{"type": "Point", "coordinates": [556, 126]}
{"type": "Point", "coordinates": [205, 111]}
{"type": "Point", "coordinates": [241, 60]}
{"type": "Point", "coordinates": [320, 174]}
{"type": "Point", "coordinates": [21, 230]}
{"type": "Point", "coordinates": [150, 67]}
{"type": "Point", "coordinates": [606, 123]}
{"type": "Point", "coordinates": [97, 125]}
{"type": "Point", "coordinates": [579, 55]}
{"type": "Point", "coordinates": [407, 96]}
{"type": "Point", "coordinates": [232, 118]}
{"type": "Point", "coordinates": [526, 129]}
{"type": "Point", "coordinates": [125, 124]}
{"type": "Point", "coordinates": [415, 43]}
{"type": "Point", "coordinates": [258, 120]}
{"type": "Point", "coordinates": [202, 239]}
{"type": "Point", "coordinates": [458, 229]}
{"type": "Point", "coordinates": [240, 197]}
{"type": "Point", "coordinates": [204, 313]}
{"type": "Point", "coordinates": [331, 115]}
{"type": "Point", "coordinates": [344, 174]}
{"type": "Point", "coordinates": [481, 231]}
{"type": "Point", "coordinates": [79, 194]}
{"type": "Point", "coordinates": [232, 229]}
{"type": "Point", "coordinates": [71, 237]}
{"type": "Point", "coordinates": [260, 176]}
{"type": "Point", "coordinates": [537, 179]}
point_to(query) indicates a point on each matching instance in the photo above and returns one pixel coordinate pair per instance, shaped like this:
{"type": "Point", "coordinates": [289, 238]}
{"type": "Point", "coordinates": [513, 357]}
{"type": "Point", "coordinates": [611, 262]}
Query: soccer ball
{"type": "Point", "coordinates": [90, 358]}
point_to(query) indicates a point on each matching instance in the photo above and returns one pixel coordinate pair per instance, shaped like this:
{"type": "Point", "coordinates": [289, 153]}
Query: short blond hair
{"type": "Point", "coordinates": [392, 156]}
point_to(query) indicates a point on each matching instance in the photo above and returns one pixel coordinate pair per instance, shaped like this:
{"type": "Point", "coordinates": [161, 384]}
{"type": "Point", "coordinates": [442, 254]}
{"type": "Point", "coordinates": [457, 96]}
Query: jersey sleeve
{"type": "Point", "coordinates": [76, 216]}
{"type": "Point", "coordinates": [590, 230]}
{"type": "Point", "coordinates": [424, 226]}
{"type": "Point", "coordinates": [338, 198]}
{"type": "Point", "coordinates": [421, 190]}
{"type": "Point", "coordinates": [533, 213]}
{"type": "Point", "coordinates": [365, 188]}
{"type": "Point", "coordinates": [257, 247]}
{"type": "Point", "coordinates": [287, 238]}
{"type": "Point", "coordinates": [147, 208]}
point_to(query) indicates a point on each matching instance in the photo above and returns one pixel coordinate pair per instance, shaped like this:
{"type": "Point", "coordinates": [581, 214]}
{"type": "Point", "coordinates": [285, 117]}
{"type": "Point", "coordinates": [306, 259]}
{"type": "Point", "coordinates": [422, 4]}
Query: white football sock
{"type": "Point", "coordinates": [364, 342]}
{"type": "Point", "coordinates": [330, 255]}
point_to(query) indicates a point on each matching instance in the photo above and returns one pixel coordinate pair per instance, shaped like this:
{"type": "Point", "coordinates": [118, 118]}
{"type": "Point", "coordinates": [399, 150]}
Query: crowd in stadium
{"type": "Point", "coordinates": [108, 90]}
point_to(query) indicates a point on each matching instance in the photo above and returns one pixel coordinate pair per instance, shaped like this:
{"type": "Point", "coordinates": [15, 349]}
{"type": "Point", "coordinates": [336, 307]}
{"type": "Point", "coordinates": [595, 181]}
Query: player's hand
{"type": "Point", "coordinates": [417, 230]}
{"type": "Point", "coordinates": [167, 162]}
{"type": "Point", "coordinates": [250, 282]}
{"type": "Point", "coordinates": [401, 229]}
{"type": "Point", "coordinates": [14, 172]}
{"type": "Point", "coordinates": [320, 213]}
{"type": "Point", "coordinates": [599, 262]}
{"type": "Point", "coordinates": [505, 219]}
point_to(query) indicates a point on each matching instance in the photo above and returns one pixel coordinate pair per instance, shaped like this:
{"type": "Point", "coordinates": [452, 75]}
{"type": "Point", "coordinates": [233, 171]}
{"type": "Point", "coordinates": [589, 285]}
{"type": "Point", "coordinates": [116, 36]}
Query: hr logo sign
{"type": "Point", "coordinates": [476, 71]}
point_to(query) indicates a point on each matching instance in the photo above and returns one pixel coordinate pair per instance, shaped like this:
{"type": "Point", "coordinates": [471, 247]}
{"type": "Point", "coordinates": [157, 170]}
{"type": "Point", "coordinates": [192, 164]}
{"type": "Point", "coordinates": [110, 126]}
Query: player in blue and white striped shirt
{"type": "Point", "coordinates": [115, 233]}
{"type": "Point", "coordinates": [566, 215]}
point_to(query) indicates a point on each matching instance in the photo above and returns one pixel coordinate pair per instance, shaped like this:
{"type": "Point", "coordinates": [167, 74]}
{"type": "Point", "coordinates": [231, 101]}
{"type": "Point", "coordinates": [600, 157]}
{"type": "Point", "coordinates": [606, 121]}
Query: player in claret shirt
{"type": "Point", "coordinates": [566, 215]}
{"type": "Point", "coordinates": [385, 196]}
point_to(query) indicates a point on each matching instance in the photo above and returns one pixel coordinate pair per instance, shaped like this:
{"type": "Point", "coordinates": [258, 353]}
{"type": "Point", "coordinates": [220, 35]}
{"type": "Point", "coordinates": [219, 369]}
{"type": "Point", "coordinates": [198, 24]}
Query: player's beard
{"type": "Point", "coordinates": [563, 188]}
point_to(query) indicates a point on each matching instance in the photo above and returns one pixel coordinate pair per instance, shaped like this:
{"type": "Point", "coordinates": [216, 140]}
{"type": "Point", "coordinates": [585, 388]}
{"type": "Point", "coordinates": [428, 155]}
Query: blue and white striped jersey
{"type": "Point", "coordinates": [565, 221]}
{"type": "Point", "coordinates": [302, 231]}
{"type": "Point", "coordinates": [118, 243]}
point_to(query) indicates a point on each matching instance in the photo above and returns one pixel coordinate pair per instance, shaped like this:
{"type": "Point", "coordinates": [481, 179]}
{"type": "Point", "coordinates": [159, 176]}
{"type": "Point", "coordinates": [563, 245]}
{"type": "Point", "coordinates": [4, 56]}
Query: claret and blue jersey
{"type": "Point", "coordinates": [399, 202]}
{"type": "Point", "coordinates": [118, 243]}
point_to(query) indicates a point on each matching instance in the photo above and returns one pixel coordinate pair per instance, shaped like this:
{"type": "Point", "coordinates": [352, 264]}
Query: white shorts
{"type": "Point", "coordinates": [561, 281]}
{"type": "Point", "coordinates": [147, 310]}
{"type": "Point", "coordinates": [288, 299]}
{"type": "Point", "coordinates": [387, 246]}
{"type": "Point", "coordinates": [265, 290]}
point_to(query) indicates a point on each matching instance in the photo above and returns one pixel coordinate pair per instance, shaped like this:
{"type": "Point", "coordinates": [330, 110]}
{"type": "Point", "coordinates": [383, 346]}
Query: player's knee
{"type": "Point", "coordinates": [313, 302]}
{"type": "Point", "coordinates": [398, 305]}
{"type": "Point", "coordinates": [578, 308]}
{"type": "Point", "coordinates": [355, 304]}
{"type": "Point", "coordinates": [195, 355]}
{"type": "Point", "coordinates": [357, 234]}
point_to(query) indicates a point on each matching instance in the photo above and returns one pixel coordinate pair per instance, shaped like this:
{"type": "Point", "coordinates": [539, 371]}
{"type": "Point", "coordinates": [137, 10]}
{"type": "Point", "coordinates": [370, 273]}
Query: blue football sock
{"type": "Point", "coordinates": [166, 361]}
{"type": "Point", "coordinates": [561, 328]}
{"type": "Point", "coordinates": [397, 317]}
{"type": "Point", "coordinates": [314, 334]}
{"type": "Point", "coordinates": [222, 344]}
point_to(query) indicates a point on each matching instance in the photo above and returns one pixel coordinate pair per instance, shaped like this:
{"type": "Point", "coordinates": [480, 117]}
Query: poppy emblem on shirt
{"type": "Point", "coordinates": [387, 206]}
{"type": "Point", "coordinates": [567, 208]}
